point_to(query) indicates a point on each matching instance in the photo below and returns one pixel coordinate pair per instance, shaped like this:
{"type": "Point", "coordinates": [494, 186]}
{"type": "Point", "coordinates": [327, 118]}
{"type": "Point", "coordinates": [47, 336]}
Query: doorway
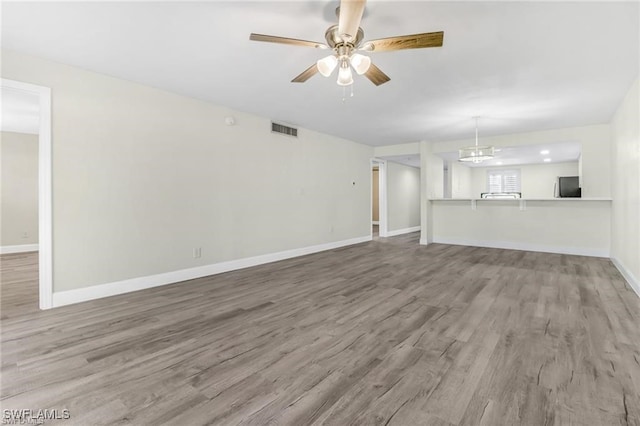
{"type": "Point", "coordinates": [378, 199]}
{"type": "Point", "coordinates": [38, 98]}
{"type": "Point", "coordinates": [375, 195]}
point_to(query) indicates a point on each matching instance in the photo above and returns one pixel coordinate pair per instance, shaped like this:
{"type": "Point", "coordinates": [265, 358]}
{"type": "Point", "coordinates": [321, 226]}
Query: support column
{"type": "Point", "coordinates": [431, 186]}
{"type": "Point", "coordinates": [425, 204]}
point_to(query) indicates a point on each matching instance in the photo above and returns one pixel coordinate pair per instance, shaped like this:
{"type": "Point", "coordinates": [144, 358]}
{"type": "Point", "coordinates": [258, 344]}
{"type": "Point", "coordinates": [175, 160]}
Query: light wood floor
{"type": "Point", "coordinates": [382, 333]}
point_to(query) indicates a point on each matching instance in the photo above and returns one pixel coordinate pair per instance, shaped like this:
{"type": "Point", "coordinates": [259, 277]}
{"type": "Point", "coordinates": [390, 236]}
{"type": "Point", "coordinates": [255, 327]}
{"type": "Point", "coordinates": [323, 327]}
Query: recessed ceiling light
{"type": "Point", "coordinates": [546, 160]}
{"type": "Point", "coordinates": [499, 163]}
{"type": "Point", "coordinates": [497, 149]}
{"type": "Point", "coordinates": [544, 152]}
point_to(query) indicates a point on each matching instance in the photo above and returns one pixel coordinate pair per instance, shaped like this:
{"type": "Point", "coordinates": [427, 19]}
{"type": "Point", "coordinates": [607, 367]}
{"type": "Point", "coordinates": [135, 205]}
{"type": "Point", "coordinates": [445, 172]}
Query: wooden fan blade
{"type": "Point", "coordinates": [413, 41]}
{"type": "Point", "coordinates": [285, 40]}
{"type": "Point", "coordinates": [306, 74]}
{"type": "Point", "coordinates": [349, 20]}
{"type": "Point", "coordinates": [376, 76]}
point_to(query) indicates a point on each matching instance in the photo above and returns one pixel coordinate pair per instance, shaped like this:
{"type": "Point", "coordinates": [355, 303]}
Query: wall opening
{"type": "Point", "coordinates": [39, 108]}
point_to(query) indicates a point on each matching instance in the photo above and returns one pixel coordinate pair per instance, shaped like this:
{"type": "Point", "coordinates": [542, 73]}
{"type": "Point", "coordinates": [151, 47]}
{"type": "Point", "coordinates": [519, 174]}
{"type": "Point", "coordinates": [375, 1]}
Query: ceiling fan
{"type": "Point", "coordinates": [346, 39]}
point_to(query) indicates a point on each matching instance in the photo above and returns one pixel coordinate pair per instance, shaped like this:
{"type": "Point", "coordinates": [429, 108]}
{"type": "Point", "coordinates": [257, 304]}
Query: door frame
{"type": "Point", "coordinates": [45, 210]}
{"type": "Point", "coordinates": [382, 196]}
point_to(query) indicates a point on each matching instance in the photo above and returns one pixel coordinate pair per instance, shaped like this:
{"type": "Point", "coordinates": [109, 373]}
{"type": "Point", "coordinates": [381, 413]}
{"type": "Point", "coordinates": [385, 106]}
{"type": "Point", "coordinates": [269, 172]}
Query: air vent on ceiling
{"type": "Point", "coordinates": [285, 130]}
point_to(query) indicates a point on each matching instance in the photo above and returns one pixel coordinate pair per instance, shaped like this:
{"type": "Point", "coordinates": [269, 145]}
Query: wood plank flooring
{"type": "Point", "coordinates": [381, 333]}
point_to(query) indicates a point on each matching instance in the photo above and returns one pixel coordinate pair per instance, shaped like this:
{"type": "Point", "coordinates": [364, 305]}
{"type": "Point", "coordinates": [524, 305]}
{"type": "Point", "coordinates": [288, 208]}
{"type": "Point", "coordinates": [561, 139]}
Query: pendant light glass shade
{"type": "Point", "coordinates": [345, 77]}
{"type": "Point", "coordinates": [327, 65]}
{"type": "Point", "coordinates": [360, 63]}
{"type": "Point", "coordinates": [475, 154]}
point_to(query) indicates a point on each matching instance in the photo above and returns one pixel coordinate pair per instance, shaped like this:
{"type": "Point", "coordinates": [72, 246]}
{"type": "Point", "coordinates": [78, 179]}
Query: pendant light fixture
{"type": "Point", "coordinates": [475, 154]}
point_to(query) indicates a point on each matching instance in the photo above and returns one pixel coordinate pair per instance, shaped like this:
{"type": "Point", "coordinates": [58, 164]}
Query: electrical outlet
{"type": "Point", "coordinates": [197, 252]}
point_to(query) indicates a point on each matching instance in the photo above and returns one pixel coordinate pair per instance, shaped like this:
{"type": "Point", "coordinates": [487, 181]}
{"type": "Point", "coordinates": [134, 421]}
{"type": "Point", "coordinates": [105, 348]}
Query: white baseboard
{"type": "Point", "coordinates": [375, 222]}
{"type": "Point", "coordinates": [22, 248]}
{"type": "Point", "coordinates": [509, 245]}
{"type": "Point", "coordinates": [68, 297]}
{"type": "Point", "coordinates": [634, 283]}
{"type": "Point", "coordinates": [424, 242]}
{"type": "Point", "coordinates": [403, 231]}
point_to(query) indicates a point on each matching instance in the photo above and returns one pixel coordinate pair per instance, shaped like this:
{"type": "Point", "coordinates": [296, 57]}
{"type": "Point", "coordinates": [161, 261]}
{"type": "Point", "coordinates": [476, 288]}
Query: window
{"type": "Point", "coordinates": [503, 180]}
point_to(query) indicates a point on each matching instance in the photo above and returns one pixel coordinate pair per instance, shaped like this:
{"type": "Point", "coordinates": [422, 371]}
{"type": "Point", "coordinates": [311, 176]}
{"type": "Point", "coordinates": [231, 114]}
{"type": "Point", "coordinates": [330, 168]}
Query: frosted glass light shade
{"type": "Point", "coordinates": [345, 77]}
{"type": "Point", "coordinates": [475, 154]}
{"type": "Point", "coordinates": [326, 65]}
{"type": "Point", "coordinates": [360, 63]}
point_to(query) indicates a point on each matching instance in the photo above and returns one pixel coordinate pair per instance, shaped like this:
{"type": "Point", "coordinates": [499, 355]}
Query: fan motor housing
{"type": "Point", "coordinates": [335, 41]}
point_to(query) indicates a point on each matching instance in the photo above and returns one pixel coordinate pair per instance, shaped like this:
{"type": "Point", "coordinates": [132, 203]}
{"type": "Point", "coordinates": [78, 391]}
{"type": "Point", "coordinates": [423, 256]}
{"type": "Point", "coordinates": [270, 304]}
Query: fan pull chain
{"type": "Point", "coordinates": [344, 93]}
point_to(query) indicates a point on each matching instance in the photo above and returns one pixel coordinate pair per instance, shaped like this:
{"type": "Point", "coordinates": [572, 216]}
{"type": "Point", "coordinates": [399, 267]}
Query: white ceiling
{"type": "Point", "coordinates": [522, 66]}
{"type": "Point", "coordinates": [20, 111]}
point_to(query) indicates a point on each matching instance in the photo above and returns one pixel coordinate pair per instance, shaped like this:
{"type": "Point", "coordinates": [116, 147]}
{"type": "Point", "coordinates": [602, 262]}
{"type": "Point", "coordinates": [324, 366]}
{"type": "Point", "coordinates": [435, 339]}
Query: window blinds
{"type": "Point", "coordinates": [503, 180]}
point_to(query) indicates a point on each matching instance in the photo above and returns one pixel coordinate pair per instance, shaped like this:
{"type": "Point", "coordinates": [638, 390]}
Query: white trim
{"type": "Point", "coordinates": [633, 282]}
{"type": "Point", "coordinates": [498, 200]}
{"type": "Point", "coordinates": [45, 215]}
{"type": "Point", "coordinates": [375, 222]}
{"type": "Point", "coordinates": [68, 297]}
{"type": "Point", "coordinates": [509, 245]}
{"type": "Point", "coordinates": [403, 231]}
{"type": "Point", "coordinates": [423, 241]}
{"type": "Point", "coordinates": [22, 248]}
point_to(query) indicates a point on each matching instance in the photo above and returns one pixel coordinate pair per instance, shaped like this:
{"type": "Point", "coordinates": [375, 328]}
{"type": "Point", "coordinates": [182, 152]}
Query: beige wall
{"type": "Point", "coordinates": [557, 226]}
{"type": "Point", "coordinates": [141, 177]}
{"type": "Point", "coordinates": [536, 180]}
{"type": "Point", "coordinates": [403, 196]}
{"type": "Point", "coordinates": [400, 149]}
{"type": "Point", "coordinates": [19, 152]}
{"type": "Point", "coordinates": [461, 182]}
{"type": "Point", "coordinates": [625, 245]}
{"type": "Point", "coordinates": [435, 175]}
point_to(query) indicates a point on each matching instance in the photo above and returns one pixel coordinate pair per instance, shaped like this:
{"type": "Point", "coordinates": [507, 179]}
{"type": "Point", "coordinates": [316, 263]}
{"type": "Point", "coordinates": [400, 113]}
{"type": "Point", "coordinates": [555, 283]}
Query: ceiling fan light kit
{"type": "Point", "coordinates": [326, 65]}
{"type": "Point", "coordinates": [476, 154]}
{"type": "Point", "coordinates": [345, 39]}
{"type": "Point", "coordinates": [345, 76]}
{"type": "Point", "coordinates": [360, 63]}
